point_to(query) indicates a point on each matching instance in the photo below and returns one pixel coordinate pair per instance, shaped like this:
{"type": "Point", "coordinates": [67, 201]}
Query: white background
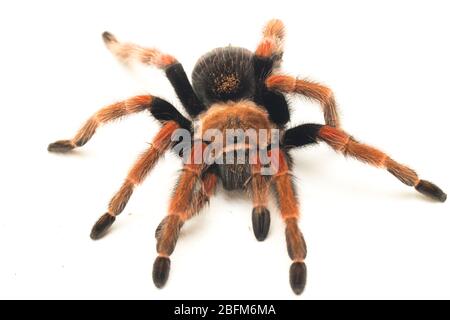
{"type": "Point", "coordinates": [368, 235]}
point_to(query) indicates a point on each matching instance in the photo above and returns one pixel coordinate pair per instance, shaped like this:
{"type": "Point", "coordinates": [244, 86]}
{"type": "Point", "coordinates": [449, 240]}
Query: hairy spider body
{"type": "Point", "coordinates": [224, 79]}
{"type": "Point", "coordinates": [232, 89]}
{"type": "Point", "coordinates": [230, 116]}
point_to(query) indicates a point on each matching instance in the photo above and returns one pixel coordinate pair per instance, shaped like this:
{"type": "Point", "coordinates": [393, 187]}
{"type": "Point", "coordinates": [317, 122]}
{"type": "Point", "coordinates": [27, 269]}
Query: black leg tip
{"type": "Point", "coordinates": [108, 37]}
{"type": "Point", "coordinates": [161, 269]}
{"type": "Point", "coordinates": [431, 190]}
{"type": "Point", "coordinates": [261, 223]}
{"type": "Point", "coordinates": [102, 225]}
{"type": "Point", "coordinates": [297, 277]}
{"type": "Point", "coordinates": [61, 146]}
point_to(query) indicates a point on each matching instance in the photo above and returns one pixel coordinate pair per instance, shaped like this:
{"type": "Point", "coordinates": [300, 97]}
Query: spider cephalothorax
{"type": "Point", "coordinates": [233, 90]}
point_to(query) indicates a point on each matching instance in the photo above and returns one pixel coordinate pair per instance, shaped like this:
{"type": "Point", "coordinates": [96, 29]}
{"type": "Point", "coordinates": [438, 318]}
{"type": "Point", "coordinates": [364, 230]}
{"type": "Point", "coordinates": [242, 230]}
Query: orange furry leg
{"type": "Point", "coordinates": [129, 52]}
{"type": "Point", "coordinates": [104, 115]}
{"type": "Point", "coordinates": [167, 231]}
{"type": "Point", "coordinates": [185, 203]}
{"type": "Point", "coordinates": [308, 89]}
{"type": "Point", "coordinates": [136, 175]}
{"type": "Point", "coordinates": [289, 209]}
{"type": "Point", "coordinates": [343, 143]}
{"type": "Point", "coordinates": [272, 41]}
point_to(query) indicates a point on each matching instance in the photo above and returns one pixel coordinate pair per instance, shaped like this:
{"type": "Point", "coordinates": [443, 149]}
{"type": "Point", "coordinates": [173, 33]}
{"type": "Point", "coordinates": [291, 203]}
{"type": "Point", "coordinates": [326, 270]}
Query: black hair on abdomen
{"type": "Point", "coordinates": [224, 74]}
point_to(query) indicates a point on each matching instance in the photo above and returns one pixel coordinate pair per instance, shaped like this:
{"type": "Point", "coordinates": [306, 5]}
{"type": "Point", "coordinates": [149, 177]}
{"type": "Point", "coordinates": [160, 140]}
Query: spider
{"type": "Point", "coordinates": [232, 88]}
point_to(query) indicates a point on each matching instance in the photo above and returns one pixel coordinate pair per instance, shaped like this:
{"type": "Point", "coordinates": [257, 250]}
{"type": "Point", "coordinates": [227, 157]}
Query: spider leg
{"type": "Point", "coordinates": [191, 194]}
{"type": "Point", "coordinates": [342, 142]}
{"type": "Point", "coordinates": [160, 109]}
{"type": "Point", "coordinates": [136, 175]}
{"type": "Point", "coordinates": [260, 185]}
{"type": "Point", "coordinates": [300, 136]}
{"type": "Point", "coordinates": [268, 56]}
{"type": "Point", "coordinates": [271, 45]}
{"type": "Point", "coordinates": [289, 209]}
{"type": "Point", "coordinates": [128, 52]}
{"type": "Point", "coordinates": [347, 145]}
{"type": "Point", "coordinates": [312, 90]}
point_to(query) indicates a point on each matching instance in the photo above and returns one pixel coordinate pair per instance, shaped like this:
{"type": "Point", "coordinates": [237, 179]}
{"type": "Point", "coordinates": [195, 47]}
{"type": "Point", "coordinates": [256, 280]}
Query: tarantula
{"type": "Point", "coordinates": [232, 88]}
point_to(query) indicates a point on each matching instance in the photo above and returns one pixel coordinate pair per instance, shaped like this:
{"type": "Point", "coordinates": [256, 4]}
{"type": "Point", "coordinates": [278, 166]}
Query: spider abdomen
{"type": "Point", "coordinates": [224, 74]}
